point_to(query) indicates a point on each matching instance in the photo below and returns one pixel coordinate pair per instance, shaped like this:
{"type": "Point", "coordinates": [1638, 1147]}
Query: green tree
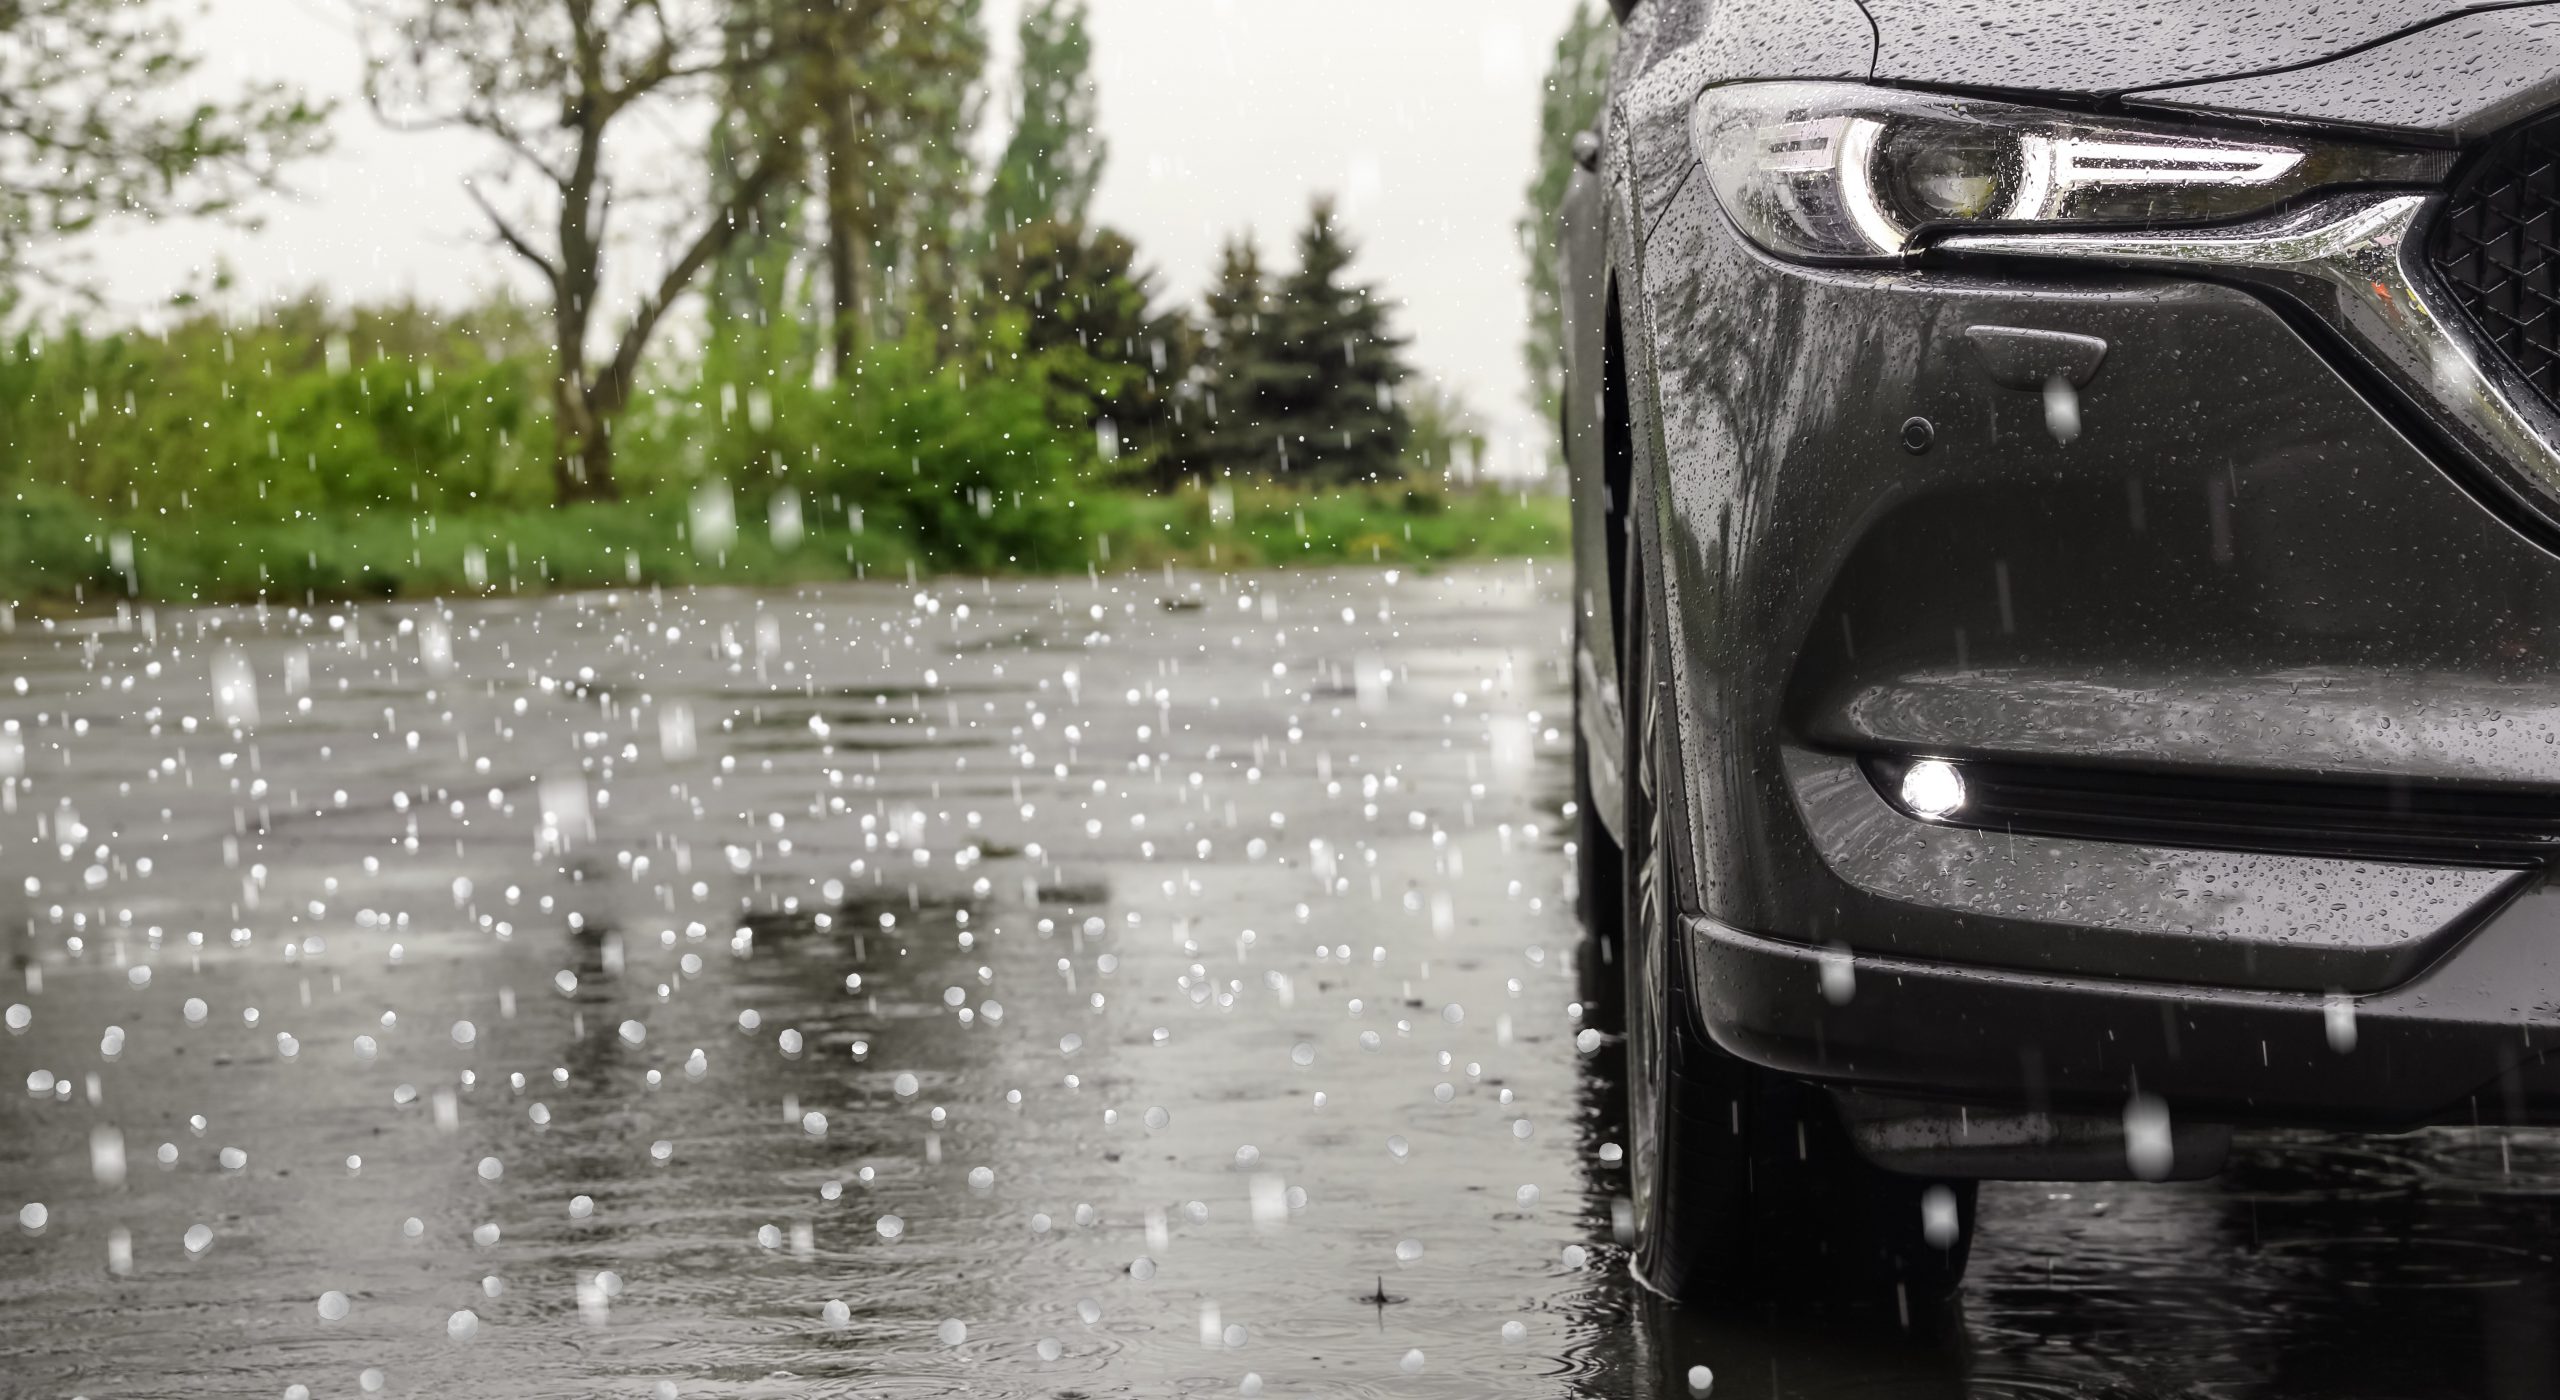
{"type": "Point", "coordinates": [1241, 370]}
{"type": "Point", "coordinates": [1054, 159]}
{"type": "Point", "coordinates": [1577, 83]}
{"type": "Point", "coordinates": [549, 81]}
{"type": "Point", "coordinates": [886, 90]}
{"type": "Point", "coordinates": [1447, 440]}
{"type": "Point", "coordinates": [762, 294]}
{"type": "Point", "coordinates": [882, 94]}
{"type": "Point", "coordinates": [86, 132]}
{"type": "Point", "coordinates": [1113, 363]}
{"type": "Point", "coordinates": [941, 208]}
{"type": "Point", "coordinates": [759, 299]}
{"type": "Point", "coordinates": [1328, 396]}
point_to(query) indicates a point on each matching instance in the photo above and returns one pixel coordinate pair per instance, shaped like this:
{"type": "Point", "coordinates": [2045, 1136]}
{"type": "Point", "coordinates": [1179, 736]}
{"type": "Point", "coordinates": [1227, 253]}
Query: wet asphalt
{"type": "Point", "coordinates": [1154, 985]}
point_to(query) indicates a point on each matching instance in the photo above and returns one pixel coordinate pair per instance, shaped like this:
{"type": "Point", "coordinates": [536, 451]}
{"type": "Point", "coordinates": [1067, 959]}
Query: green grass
{"type": "Point", "coordinates": [396, 452]}
{"type": "Point", "coordinates": [61, 553]}
{"type": "Point", "coordinates": [1267, 525]}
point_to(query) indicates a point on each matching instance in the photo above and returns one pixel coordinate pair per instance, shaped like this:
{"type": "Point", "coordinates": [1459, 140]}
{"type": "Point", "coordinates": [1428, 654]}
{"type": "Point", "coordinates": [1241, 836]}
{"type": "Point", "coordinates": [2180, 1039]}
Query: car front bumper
{"type": "Point", "coordinates": [2242, 548]}
{"type": "Point", "coordinates": [2463, 1042]}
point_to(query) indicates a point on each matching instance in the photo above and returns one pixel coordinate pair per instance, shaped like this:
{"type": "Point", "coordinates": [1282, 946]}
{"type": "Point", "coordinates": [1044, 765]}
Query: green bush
{"type": "Point", "coordinates": [305, 413]}
{"type": "Point", "coordinates": [317, 453]}
{"type": "Point", "coordinates": [960, 470]}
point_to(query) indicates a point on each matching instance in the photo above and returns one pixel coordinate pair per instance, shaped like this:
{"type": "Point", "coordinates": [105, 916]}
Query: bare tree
{"type": "Point", "coordinates": [552, 83]}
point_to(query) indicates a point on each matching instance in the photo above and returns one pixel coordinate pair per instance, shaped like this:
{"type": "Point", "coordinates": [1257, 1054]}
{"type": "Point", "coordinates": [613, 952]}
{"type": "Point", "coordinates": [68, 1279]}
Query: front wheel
{"type": "Point", "coordinates": [1745, 1185]}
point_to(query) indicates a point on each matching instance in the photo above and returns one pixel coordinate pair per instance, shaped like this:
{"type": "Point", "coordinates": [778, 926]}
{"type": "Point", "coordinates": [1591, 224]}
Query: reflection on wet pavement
{"type": "Point", "coordinates": [1155, 985]}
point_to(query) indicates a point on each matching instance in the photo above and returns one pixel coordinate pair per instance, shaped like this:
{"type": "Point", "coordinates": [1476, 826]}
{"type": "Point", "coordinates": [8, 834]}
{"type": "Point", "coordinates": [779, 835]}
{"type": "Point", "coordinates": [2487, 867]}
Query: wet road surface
{"type": "Point", "coordinates": [1153, 985]}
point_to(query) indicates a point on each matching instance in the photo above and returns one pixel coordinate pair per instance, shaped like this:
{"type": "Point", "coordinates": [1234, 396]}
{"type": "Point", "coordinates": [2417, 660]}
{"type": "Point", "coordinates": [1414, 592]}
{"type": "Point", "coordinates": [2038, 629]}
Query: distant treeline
{"type": "Point", "coordinates": [845, 311]}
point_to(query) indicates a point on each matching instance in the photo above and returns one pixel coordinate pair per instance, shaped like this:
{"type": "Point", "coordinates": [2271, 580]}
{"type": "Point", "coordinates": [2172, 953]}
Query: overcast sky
{"type": "Point", "coordinates": [1221, 115]}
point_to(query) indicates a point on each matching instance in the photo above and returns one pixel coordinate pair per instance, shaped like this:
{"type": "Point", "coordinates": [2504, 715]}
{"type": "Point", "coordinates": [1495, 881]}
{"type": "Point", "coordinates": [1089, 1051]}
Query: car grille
{"type": "Point", "coordinates": [2496, 246]}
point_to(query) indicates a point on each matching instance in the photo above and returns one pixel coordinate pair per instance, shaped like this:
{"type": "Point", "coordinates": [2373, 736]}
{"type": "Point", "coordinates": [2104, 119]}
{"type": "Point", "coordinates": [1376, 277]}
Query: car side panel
{"type": "Point", "coordinates": [1669, 52]}
{"type": "Point", "coordinates": [1595, 659]}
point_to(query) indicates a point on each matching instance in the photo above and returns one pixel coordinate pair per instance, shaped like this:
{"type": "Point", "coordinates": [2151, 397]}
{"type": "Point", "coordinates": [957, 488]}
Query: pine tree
{"type": "Point", "coordinates": [1054, 159]}
{"type": "Point", "coordinates": [1241, 370]}
{"type": "Point", "coordinates": [1577, 83]}
{"type": "Point", "coordinates": [1328, 399]}
{"type": "Point", "coordinates": [1111, 361]}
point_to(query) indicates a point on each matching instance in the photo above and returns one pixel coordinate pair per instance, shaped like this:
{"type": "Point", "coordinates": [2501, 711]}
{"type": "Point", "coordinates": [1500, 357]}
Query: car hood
{"type": "Point", "coordinates": [2098, 47]}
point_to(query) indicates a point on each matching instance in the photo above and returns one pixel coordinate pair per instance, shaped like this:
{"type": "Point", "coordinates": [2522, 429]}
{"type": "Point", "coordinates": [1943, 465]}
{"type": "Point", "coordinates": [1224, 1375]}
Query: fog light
{"type": "Point", "coordinates": [1931, 788]}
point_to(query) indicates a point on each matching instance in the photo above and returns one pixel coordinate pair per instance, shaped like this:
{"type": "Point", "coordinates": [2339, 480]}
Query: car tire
{"type": "Point", "coordinates": [1600, 884]}
{"type": "Point", "coordinates": [1744, 1184]}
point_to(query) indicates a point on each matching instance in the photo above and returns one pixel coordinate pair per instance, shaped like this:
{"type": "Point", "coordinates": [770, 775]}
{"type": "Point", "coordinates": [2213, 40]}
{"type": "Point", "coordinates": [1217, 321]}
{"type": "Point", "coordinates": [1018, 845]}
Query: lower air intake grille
{"type": "Point", "coordinates": [2339, 818]}
{"type": "Point", "coordinates": [2496, 246]}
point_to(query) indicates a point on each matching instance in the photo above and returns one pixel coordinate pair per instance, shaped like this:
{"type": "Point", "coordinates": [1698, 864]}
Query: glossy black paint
{"type": "Point", "coordinates": [2235, 562]}
{"type": "Point", "coordinates": [2463, 1043]}
{"type": "Point", "coordinates": [2459, 79]}
{"type": "Point", "coordinates": [2066, 46]}
{"type": "Point", "coordinates": [2024, 357]}
{"type": "Point", "coordinates": [2224, 552]}
{"type": "Point", "coordinates": [2151, 910]}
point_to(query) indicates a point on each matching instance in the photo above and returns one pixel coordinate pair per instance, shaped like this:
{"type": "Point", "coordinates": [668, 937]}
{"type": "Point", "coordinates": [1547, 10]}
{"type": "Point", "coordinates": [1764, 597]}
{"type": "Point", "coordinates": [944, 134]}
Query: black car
{"type": "Point", "coordinates": [2067, 554]}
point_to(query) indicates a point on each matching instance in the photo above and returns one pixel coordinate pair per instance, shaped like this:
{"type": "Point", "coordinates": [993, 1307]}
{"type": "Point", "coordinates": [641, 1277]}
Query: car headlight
{"type": "Point", "coordinates": [1847, 172]}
